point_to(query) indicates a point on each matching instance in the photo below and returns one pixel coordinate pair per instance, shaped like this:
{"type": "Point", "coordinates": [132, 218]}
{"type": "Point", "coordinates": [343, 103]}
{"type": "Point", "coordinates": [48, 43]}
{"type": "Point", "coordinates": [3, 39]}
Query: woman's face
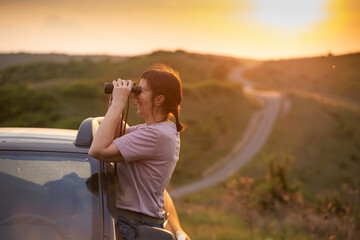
{"type": "Point", "coordinates": [144, 100]}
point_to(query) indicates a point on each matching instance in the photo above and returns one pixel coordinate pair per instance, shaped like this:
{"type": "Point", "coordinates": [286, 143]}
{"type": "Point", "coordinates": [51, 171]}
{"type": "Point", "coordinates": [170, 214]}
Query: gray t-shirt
{"type": "Point", "coordinates": [150, 153]}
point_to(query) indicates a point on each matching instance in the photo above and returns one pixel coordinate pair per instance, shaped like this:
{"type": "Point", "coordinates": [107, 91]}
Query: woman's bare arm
{"type": "Point", "coordinates": [173, 224]}
{"type": "Point", "coordinates": [102, 147]}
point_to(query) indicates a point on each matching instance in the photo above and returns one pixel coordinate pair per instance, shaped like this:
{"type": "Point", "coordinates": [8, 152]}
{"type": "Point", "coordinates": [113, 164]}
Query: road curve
{"type": "Point", "coordinates": [253, 139]}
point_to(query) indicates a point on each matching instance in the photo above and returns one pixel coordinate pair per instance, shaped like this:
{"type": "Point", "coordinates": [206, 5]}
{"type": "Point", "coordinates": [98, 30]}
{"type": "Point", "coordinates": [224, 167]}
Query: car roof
{"type": "Point", "coordinates": [47, 139]}
{"type": "Point", "coordinates": [38, 133]}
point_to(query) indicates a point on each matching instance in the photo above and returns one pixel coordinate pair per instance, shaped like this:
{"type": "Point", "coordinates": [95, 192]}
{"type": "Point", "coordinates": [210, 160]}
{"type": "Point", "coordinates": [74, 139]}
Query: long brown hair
{"type": "Point", "coordinates": [163, 80]}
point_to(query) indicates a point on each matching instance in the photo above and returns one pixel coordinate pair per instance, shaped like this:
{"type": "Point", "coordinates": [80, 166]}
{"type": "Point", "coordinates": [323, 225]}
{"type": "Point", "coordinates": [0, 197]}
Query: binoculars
{"type": "Point", "coordinates": [109, 87]}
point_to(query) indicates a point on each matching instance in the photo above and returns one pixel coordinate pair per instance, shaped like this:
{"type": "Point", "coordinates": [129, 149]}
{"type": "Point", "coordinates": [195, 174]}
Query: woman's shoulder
{"type": "Point", "coordinates": [160, 128]}
{"type": "Point", "coordinates": [134, 127]}
{"type": "Point", "coordinates": [165, 125]}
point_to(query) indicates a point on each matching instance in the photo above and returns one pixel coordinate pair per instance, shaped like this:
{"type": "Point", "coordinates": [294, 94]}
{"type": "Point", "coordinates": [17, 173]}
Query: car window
{"type": "Point", "coordinates": [48, 196]}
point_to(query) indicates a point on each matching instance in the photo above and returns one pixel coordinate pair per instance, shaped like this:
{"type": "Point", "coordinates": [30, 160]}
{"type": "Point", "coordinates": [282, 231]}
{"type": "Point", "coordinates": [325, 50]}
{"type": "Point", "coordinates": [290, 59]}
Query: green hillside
{"type": "Point", "coordinates": [304, 183]}
{"type": "Point", "coordinates": [61, 94]}
{"type": "Point", "coordinates": [333, 76]}
{"type": "Point", "coordinates": [322, 136]}
{"type": "Point", "coordinates": [10, 59]}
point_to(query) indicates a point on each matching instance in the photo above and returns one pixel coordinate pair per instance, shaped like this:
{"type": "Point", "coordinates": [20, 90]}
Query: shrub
{"type": "Point", "coordinates": [278, 188]}
{"type": "Point", "coordinates": [22, 106]}
{"type": "Point", "coordinates": [81, 89]}
{"type": "Point", "coordinates": [42, 71]}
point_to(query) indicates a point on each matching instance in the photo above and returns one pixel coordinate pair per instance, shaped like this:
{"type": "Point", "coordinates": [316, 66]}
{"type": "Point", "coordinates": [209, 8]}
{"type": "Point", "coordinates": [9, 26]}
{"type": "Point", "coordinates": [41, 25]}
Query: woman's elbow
{"type": "Point", "coordinates": [110, 154]}
{"type": "Point", "coordinates": [94, 153]}
{"type": "Point", "coordinates": [99, 155]}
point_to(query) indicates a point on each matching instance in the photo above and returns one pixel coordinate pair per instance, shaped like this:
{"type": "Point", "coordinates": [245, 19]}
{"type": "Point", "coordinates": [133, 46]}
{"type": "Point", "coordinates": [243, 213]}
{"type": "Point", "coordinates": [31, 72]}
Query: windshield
{"type": "Point", "coordinates": [47, 196]}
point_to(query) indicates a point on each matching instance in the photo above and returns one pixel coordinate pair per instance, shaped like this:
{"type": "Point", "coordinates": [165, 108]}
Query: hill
{"type": "Point", "coordinates": [319, 126]}
{"type": "Point", "coordinates": [304, 184]}
{"type": "Point", "coordinates": [63, 93]}
{"type": "Point", "coordinates": [335, 77]}
{"type": "Point", "coordinates": [10, 59]}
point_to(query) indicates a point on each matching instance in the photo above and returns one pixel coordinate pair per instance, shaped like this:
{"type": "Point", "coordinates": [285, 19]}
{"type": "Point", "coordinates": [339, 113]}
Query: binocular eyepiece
{"type": "Point", "coordinates": [109, 87]}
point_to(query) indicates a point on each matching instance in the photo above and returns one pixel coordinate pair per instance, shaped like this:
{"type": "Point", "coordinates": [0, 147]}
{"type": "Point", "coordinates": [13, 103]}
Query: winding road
{"type": "Point", "coordinates": [254, 138]}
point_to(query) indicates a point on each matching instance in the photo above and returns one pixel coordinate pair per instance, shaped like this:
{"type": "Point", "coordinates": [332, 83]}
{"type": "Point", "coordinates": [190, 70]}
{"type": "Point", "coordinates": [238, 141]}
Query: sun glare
{"type": "Point", "coordinates": [289, 14]}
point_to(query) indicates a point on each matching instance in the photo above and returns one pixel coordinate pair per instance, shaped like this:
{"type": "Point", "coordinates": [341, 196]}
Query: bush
{"type": "Point", "coordinates": [42, 71]}
{"type": "Point", "coordinates": [277, 188]}
{"type": "Point", "coordinates": [22, 106]}
{"type": "Point", "coordinates": [81, 89]}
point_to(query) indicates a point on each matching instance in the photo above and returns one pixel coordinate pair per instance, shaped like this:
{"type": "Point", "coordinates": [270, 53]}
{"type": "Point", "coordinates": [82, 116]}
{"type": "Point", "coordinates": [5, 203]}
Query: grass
{"type": "Point", "coordinates": [235, 209]}
{"type": "Point", "coordinates": [323, 138]}
{"type": "Point", "coordinates": [214, 124]}
{"type": "Point", "coordinates": [332, 76]}
{"type": "Point", "coordinates": [224, 218]}
{"type": "Point", "coordinates": [324, 142]}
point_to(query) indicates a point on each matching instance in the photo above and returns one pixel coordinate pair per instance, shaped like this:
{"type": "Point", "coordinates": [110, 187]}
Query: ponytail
{"type": "Point", "coordinates": [163, 80]}
{"type": "Point", "coordinates": [179, 126]}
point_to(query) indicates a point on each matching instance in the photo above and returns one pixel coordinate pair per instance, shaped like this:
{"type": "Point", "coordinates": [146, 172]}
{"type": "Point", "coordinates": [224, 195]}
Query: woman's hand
{"type": "Point", "coordinates": [181, 235]}
{"type": "Point", "coordinates": [102, 147]}
{"type": "Point", "coordinates": [121, 92]}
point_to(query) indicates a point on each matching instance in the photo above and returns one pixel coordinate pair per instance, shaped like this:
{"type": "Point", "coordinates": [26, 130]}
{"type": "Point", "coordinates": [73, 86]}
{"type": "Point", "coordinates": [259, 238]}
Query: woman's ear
{"type": "Point", "coordinates": [159, 100]}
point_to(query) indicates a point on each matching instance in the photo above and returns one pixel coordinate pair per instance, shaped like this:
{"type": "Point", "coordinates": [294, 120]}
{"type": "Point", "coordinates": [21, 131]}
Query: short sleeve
{"type": "Point", "coordinates": [138, 144]}
{"type": "Point", "coordinates": [131, 129]}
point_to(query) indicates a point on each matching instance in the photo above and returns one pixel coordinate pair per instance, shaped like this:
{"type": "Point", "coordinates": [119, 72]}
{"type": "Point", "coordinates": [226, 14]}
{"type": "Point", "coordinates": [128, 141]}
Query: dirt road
{"type": "Point", "coordinates": [253, 139]}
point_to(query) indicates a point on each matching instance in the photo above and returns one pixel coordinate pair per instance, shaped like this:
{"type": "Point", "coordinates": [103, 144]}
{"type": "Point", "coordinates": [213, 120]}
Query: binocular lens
{"type": "Point", "coordinates": [109, 87]}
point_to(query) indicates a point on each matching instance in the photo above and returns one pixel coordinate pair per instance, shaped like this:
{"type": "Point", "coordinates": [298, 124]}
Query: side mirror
{"type": "Point", "coordinates": [144, 232]}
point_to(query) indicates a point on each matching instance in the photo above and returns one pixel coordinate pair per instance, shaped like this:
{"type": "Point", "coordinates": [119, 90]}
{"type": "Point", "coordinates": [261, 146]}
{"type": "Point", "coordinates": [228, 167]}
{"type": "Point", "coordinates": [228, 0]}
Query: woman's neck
{"type": "Point", "coordinates": [156, 118]}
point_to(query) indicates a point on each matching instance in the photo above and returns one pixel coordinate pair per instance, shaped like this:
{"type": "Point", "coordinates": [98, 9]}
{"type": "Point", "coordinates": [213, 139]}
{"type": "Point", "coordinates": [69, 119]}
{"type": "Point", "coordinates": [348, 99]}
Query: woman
{"type": "Point", "coordinates": [147, 153]}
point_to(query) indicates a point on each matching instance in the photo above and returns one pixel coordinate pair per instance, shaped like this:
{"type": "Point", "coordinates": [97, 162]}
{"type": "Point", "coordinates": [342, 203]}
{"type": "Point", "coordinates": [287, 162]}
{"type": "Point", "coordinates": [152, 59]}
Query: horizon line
{"type": "Point", "coordinates": [329, 53]}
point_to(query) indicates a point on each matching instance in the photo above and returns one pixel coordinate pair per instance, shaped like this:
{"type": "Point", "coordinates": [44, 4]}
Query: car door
{"type": "Point", "coordinates": [51, 195]}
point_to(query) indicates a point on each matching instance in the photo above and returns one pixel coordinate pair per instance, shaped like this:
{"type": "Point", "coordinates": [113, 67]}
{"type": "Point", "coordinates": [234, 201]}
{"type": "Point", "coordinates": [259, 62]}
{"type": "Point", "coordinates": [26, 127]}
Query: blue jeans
{"type": "Point", "coordinates": [128, 226]}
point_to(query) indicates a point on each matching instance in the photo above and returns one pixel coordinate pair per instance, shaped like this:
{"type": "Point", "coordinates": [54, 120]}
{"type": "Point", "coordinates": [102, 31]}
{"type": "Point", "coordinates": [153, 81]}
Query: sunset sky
{"type": "Point", "coordinates": [260, 29]}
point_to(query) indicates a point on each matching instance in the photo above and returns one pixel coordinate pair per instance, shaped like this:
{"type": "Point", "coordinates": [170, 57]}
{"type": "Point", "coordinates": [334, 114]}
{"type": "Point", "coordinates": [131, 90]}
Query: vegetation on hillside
{"type": "Point", "coordinates": [215, 115]}
{"type": "Point", "coordinates": [270, 207]}
{"type": "Point", "coordinates": [63, 94]}
{"type": "Point", "coordinates": [333, 76]}
{"type": "Point", "coordinates": [10, 59]}
{"type": "Point", "coordinates": [22, 106]}
{"type": "Point", "coordinates": [324, 142]}
{"type": "Point", "coordinates": [304, 184]}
